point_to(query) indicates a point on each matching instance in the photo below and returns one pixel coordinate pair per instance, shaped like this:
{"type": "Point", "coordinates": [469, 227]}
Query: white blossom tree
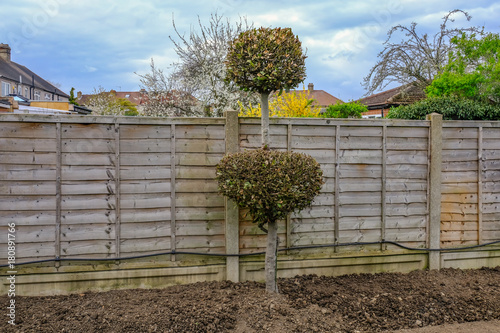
{"type": "Point", "coordinates": [199, 73]}
{"type": "Point", "coordinates": [165, 98]}
{"type": "Point", "coordinates": [103, 103]}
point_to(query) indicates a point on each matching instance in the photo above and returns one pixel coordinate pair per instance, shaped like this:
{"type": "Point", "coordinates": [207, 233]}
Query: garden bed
{"type": "Point", "coordinates": [350, 303]}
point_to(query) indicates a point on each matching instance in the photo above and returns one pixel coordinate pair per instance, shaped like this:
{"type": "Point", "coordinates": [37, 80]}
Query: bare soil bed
{"type": "Point", "coordinates": [350, 303]}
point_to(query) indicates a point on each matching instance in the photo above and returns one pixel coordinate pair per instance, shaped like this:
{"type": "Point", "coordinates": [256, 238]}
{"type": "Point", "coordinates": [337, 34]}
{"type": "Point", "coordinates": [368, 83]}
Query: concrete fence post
{"type": "Point", "coordinates": [231, 209]}
{"type": "Point", "coordinates": [436, 146]}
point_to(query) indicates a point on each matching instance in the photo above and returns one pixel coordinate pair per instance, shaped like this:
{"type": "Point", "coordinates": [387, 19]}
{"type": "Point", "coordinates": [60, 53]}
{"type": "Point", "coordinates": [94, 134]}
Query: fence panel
{"type": "Point", "coordinates": [459, 200]}
{"type": "Point", "coordinates": [489, 171]}
{"type": "Point", "coordinates": [199, 209]}
{"type": "Point", "coordinates": [28, 172]}
{"type": "Point", "coordinates": [145, 189]}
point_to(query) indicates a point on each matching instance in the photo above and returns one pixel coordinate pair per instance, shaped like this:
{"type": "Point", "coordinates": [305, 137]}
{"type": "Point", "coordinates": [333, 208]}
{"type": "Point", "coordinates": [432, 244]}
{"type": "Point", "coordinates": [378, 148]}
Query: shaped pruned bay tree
{"type": "Point", "coordinates": [271, 184]}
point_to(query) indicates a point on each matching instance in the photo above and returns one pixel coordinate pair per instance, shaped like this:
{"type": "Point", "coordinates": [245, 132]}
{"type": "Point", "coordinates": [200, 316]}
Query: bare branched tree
{"type": "Point", "coordinates": [199, 73]}
{"type": "Point", "coordinates": [416, 59]}
{"type": "Point", "coordinates": [164, 98]}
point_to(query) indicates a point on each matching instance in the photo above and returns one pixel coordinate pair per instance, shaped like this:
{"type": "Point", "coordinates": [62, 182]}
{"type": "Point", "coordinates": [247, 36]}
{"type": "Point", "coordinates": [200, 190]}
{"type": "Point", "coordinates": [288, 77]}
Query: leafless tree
{"type": "Point", "coordinates": [417, 58]}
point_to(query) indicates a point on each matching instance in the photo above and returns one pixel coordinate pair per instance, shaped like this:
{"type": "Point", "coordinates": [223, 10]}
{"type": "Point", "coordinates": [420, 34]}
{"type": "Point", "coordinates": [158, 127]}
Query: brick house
{"type": "Point", "coordinates": [19, 80]}
{"type": "Point", "coordinates": [379, 104]}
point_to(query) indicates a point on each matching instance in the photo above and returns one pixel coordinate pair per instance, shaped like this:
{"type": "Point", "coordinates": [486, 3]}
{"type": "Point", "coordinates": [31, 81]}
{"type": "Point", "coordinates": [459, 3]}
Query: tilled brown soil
{"type": "Point", "coordinates": [350, 303]}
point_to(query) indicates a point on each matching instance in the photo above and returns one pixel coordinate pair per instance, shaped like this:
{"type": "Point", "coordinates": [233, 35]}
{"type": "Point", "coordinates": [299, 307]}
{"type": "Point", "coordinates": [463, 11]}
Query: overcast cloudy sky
{"type": "Point", "coordinates": [86, 44]}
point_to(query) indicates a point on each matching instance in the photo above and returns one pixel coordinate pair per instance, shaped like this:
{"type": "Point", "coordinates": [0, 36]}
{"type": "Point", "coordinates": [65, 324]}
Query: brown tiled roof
{"type": "Point", "coordinates": [405, 94]}
{"type": "Point", "coordinates": [321, 97]}
{"type": "Point", "coordinates": [325, 99]}
{"type": "Point", "coordinates": [135, 97]}
{"type": "Point", "coordinates": [83, 99]}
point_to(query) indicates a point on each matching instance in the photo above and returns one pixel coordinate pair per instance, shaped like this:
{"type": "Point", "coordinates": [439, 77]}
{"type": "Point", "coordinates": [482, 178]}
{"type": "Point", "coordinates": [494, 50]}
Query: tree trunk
{"type": "Point", "coordinates": [264, 106]}
{"type": "Point", "coordinates": [271, 268]}
{"type": "Point", "coordinates": [272, 257]}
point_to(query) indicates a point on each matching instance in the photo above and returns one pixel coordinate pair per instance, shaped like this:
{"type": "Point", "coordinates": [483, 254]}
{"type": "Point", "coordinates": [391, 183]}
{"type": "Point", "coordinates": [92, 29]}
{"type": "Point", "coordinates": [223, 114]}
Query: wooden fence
{"type": "Point", "coordinates": [84, 187]}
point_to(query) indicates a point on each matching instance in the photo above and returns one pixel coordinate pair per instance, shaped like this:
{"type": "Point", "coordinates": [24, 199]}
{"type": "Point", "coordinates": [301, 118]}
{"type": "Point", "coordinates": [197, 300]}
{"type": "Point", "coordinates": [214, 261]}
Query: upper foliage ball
{"type": "Point", "coordinates": [265, 60]}
{"type": "Point", "coordinates": [270, 183]}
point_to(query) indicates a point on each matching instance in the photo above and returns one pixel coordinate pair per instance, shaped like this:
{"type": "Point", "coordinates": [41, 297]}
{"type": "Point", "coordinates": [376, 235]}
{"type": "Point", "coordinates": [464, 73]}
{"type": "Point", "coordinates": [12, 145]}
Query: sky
{"type": "Point", "coordinates": [105, 43]}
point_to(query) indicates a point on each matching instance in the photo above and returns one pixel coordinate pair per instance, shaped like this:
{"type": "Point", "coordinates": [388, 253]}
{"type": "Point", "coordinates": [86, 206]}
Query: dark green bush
{"type": "Point", "coordinates": [452, 108]}
{"type": "Point", "coordinates": [270, 183]}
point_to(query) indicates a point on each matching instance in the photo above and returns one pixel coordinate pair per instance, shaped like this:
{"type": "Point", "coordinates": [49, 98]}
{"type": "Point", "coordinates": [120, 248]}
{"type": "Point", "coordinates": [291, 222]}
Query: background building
{"type": "Point", "coordinates": [19, 80]}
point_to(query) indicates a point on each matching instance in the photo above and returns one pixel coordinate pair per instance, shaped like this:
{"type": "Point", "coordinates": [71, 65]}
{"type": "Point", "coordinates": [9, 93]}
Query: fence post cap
{"type": "Point", "coordinates": [434, 115]}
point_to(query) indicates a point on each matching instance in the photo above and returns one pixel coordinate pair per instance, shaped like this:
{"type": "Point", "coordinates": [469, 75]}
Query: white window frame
{"type": "Point", "coordinates": [6, 88]}
{"type": "Point", "coordinates": [37, 95]}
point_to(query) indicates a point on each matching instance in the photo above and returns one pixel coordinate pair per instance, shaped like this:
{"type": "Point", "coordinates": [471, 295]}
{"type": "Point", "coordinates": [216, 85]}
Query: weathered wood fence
{"type": "Point", "coordinates": [84, 187]}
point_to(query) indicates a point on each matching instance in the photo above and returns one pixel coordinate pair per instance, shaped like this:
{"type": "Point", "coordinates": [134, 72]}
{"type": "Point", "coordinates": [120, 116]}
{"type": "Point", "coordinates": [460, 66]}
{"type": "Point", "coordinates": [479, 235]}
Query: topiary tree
{"type": "Point", "coordinates": [264, 60]}
{"type": "Point", "coordinates": [271, 184]}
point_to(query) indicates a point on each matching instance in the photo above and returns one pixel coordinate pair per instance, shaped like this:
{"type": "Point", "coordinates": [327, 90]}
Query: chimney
{"type": "Point", "coordinates": [79, 95]}
{"type": "Point", "coordinates": [310, 87]}
{"type": "Point", "coordinates": [5, 52]}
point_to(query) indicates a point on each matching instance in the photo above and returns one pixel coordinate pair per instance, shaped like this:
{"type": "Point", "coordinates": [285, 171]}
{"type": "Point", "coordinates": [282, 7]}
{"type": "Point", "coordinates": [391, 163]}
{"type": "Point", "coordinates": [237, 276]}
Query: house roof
{"type": "Point", "coordinates": [81, 109]}
{"type": "Point", "coordinates": [135, 97]}
{"type": "Point", "coordinates": [15, 72]}
{"type": "Point", "coordinates": [322, 98]}
{"type": "Point", "coordinates": [39, 110]}
{"type": "Point", "coordinates": [325, 99]}
{"type": "Point", "coordinates": [405, 94]}
{"type": "Point", "coordinates": [5, 103]}
{"type": "Point", "coordinates": [20, 99]}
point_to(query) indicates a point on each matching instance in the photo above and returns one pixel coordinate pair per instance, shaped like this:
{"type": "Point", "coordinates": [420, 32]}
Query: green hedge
{"type": "Point", "coordinates": [345, 110]}
{"type": "Point", "coordinates": [452, 108]}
